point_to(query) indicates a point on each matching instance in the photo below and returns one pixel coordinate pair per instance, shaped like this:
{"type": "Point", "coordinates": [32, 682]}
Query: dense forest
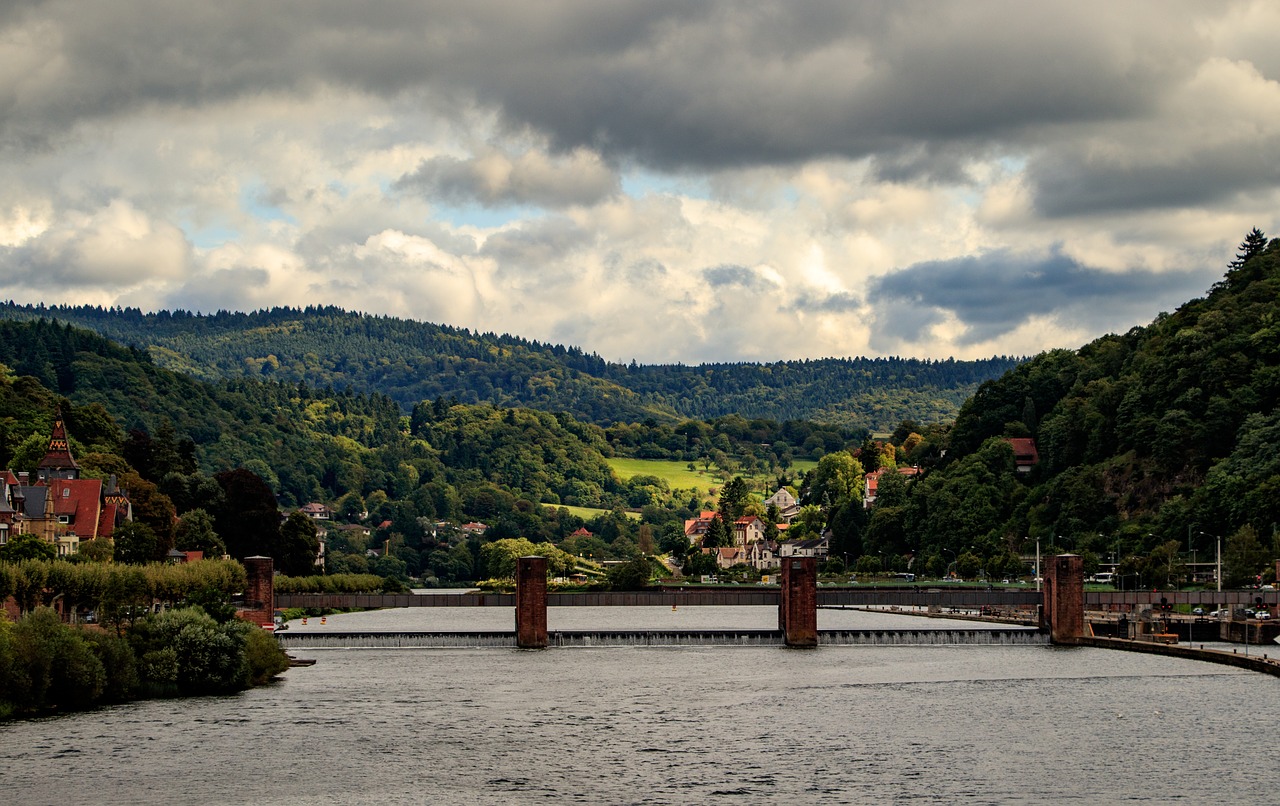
{"type": "Point", "coordinates": [1154, 445]}
{"type": "Point", "coordinates": [326, 347]}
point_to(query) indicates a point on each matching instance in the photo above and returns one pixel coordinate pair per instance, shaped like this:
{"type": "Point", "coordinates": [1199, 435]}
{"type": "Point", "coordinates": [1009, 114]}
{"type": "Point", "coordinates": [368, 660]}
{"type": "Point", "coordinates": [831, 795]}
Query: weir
{"type": "Point", "coordinates": [655, 638]}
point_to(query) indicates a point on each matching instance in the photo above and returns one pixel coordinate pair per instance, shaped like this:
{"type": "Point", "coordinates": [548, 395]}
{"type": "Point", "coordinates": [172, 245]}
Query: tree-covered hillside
{"type": "Point", "coordinates": [1153, 444]}
{"type": "Point", "coordinates": [211, 463]}
{"type": "Point", "coordinates": [411, 362]}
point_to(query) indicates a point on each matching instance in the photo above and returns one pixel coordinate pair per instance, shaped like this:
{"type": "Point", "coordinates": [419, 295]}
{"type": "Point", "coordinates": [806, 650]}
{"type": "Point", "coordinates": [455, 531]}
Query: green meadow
{"type": "Point", "coordinates": [587, 513]}
{"type": "Point", "coordinates": [679, 477]}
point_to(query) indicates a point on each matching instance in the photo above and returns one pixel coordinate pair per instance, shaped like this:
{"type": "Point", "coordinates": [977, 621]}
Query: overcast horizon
{"type": "Point", "coordinates": [658, 181]}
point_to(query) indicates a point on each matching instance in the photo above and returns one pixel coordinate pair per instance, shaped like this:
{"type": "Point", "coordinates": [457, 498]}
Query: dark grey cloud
{"type": "Point", "coordinates": [541, 245]}
{"type": "Point", "coordinates": [1074, 183]}
{"type": "Point", "coordinates": [921, 88]}
{"type": "Point", "coordinates": [675, 83]}
{"type": "Point", "coordinates": [231, 289]}
{"type": "Point", "coordinates": [993, 294]}
{"type": "Point", "coordinates": [842, 302]}
{"type": "Point", "coordinates": [745, 277]}
{"type": "Point", "coordinates": [495, 180]}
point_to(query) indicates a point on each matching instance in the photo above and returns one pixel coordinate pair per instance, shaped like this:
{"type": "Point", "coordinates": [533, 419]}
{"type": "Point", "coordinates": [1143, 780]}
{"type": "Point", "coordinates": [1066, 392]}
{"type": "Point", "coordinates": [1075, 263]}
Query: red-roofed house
{"type": "Point", "coordinates": [10, 506]}
{"type": "Point", "coordinates": [872, 482]}
{"type": "Point", "coordinates": [61, 507]}
{"type": "Point", "coordinates": [1025, 455]}
{"type": "Point", "coordinates": [696, 528]}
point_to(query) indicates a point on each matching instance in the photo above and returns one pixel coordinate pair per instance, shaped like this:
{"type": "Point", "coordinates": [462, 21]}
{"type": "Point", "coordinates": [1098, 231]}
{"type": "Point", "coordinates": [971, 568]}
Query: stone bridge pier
{"type": "Point", "coordinates": [1063, 609]}
{"type": "Point", "coordinates": [531, 602]}
{"type": "Point", "coordinates": [798, 607]}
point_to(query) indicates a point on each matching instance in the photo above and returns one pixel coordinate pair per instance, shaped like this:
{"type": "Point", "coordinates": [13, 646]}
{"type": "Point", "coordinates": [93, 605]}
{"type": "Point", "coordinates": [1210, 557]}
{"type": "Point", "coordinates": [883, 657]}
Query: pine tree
{"type": "Point", "coordinates": [1250, 247]}
{"type": "Point", "coordinates": [718, 535]}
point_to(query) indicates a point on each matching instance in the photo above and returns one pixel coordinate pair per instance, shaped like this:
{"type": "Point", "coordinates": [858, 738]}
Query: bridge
{"type": "Point", "coordinates": [904, 597]}
{"type": "Point", "coordinates": [1056, 614]}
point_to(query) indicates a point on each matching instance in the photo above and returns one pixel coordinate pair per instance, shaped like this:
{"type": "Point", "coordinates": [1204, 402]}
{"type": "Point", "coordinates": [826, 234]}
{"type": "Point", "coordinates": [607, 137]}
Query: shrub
{"type": "Point", "coordinates": [59, 669]}
{"type": "Point", "coordinates": [266, 658]}
{"type": "Point", "coordinates": [117, 660]}
{"type": "Point", "coordinates": [187, 650]}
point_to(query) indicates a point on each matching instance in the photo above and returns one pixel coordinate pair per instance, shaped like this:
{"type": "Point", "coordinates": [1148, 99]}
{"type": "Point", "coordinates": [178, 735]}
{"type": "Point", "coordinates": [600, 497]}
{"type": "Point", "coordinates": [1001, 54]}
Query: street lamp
{"type": "Point", "coordinates": [1217, 571]}
{"type": "Point", "coordinates": [954, 559]}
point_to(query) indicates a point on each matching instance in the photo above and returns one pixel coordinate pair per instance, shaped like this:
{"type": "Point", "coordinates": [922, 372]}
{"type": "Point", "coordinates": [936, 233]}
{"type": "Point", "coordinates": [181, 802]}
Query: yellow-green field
{"type": "Point", "coordinates": [587, 513]}
{"type": "Point", "coordinates": [675, 474]}
{"type": "Point", "coordinates": [679, 477]}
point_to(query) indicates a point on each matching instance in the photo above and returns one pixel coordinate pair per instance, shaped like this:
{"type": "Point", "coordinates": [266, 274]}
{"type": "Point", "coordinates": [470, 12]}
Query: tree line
{"type": "Point", "coordinates": [327, 347]}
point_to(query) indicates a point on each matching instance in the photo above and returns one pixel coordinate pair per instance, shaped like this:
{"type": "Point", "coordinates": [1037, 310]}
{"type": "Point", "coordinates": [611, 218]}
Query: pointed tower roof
{"type": "Point", "coordinates": [57, 461]}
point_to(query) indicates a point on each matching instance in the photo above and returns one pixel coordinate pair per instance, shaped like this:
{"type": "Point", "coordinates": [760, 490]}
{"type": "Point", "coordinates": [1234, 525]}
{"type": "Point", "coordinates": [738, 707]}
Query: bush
{"type": "Point", "coordinates": [633, 575]}
{"type": "Point", "coordinates": [188, 651]}
{"type": "Point", "coordinates": [117, 660]}
{"type": "Point", "coordinates": [51, 665]}
{"type": "Point", "coordinates": [266, 658]}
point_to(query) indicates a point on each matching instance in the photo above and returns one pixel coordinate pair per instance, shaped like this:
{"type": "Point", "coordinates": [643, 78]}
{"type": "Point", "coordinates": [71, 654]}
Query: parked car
{"type": "Point", "coordinates": [1262, 615]}
{"type": "Point", "coordinates": [1197, 611]}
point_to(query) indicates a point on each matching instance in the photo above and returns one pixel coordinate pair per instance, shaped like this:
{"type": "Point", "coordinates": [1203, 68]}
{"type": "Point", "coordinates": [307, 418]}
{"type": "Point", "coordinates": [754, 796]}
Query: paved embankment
{"type": "Point", "coordinates": [1253, 662]}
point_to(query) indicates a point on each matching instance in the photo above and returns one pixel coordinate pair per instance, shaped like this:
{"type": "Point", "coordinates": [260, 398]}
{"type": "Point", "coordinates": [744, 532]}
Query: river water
{"type": "Point", "coordinates": [933, 724]}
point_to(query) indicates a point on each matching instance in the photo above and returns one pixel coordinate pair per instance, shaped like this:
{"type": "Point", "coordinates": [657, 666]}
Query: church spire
{"type": "Point", "coordinates": [58, 462]}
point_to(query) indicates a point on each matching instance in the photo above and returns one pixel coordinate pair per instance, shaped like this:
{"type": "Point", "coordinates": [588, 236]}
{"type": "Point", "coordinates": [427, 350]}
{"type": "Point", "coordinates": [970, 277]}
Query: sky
{"type": "Point", "coordinates": [652, 180]}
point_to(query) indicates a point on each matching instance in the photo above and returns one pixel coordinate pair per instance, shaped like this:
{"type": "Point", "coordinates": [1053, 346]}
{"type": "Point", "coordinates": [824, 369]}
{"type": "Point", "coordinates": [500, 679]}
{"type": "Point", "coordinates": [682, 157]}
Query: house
{"type": "Point", "coordinates": [582, 531]}
{"type": "Point", "coordinates": [1025, 455]}
{"type": "Point", "coordinates": [475, 528]}
{"type": "Point", "coordinates": [696, 528]}
{"type": "Point", "coordinates": [872, 482]}
{"type": "Point", "coordinates": [788, 506]}
{"type": "Point", "coordinates": [316, 511]}
{"type": "Point", "coordinates": [728, 556]}
{"type": "Point", "coordinates": [814, 547]}
{"type": "Point", "coordinates": [748, 530]}
{"type": "Point", "coordinates": [60, 507]}
{"type": "Point", "coordinates": [10, 505]}
{"type": "Point", "coordinates": [763, 556]}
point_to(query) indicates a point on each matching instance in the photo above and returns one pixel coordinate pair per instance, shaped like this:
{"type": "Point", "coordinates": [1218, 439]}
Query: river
{"type": "Point", "coordinates": [877, 724]}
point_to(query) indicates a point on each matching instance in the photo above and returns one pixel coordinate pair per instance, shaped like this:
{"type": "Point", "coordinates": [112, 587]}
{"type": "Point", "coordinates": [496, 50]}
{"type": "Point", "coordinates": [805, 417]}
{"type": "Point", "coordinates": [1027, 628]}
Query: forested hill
{"type": "Point", "coordinates": [1152, 444]}
{"type": "Point", "coordinates": [412, 361]}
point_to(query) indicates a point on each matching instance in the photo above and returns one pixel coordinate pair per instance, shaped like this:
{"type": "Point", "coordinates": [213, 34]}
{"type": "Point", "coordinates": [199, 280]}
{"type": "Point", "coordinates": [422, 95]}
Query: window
{"type": "Point", "coordinates": [64, 519]}
{"type": "Point", "coordinates": [66, 492]}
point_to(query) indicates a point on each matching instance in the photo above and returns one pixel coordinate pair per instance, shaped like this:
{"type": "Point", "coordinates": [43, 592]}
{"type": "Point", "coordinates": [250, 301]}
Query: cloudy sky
{"type": "Point", "coordinates": [649, 180]}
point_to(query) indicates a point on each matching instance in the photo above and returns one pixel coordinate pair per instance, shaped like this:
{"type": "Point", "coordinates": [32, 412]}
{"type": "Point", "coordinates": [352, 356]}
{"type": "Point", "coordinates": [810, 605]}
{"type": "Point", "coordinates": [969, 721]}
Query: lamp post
{"type": "Point", "coordinates": [954, 559]}
{"type": "Point", "coordinates": [1217, 571]}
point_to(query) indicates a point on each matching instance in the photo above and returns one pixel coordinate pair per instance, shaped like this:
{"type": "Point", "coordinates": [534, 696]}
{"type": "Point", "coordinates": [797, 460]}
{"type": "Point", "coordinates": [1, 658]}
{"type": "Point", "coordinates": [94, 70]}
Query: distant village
{"type": "Point", "coordinates": [65, 510]}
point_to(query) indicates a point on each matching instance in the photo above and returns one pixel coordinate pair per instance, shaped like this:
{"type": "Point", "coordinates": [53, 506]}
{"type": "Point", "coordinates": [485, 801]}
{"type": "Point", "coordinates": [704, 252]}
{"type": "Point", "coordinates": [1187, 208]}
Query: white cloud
{"type": "Point", "coordinates": [116, 246]}
{"type": "Point", "coordinates": [712, 181]}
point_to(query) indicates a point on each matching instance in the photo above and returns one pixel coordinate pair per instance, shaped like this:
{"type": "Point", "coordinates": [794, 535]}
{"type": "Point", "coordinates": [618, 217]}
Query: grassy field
{"type": "Point", "coordinates": [587, 513]}
{"type": "Point", "coordinates": [678, 475]}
